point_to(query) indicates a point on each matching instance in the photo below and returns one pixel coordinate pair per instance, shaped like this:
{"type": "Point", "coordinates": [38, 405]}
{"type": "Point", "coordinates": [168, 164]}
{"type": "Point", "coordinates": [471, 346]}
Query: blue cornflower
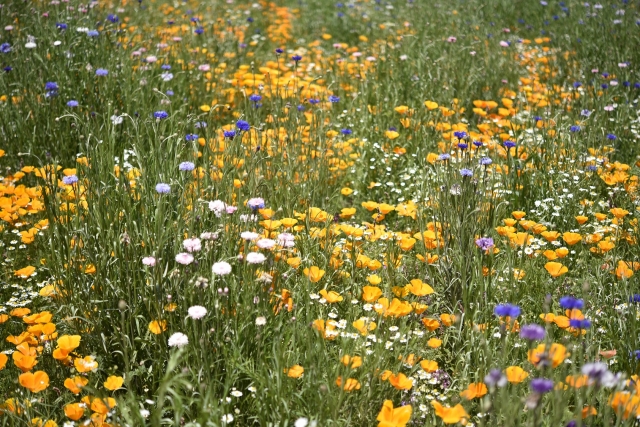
{"type": "Point", "coordinates": [300, 107]}
{"type": "Point", "coordinates": [72, 103]}
{"type": "Point", "coordinates": [229, 133]}
{"type": "Point", "coordinates": [249, 19]}
{"type": "Point", "coordinates": [509, 144]}
{"type": "Point", "coordinates": [166, 67]}
{"type": "Point", "coordinates": [313, 101]}
{"type": "Point", "coordinates": [160, 115]}
{"type": "Point", "coordinates": [113, 18]}
{"type": "Point", "coordinates": [577, 84]}
{"type": "Point", "coordinates": [255, 98]}
{"type": "Point", "coordinates": [199, 30]}
{"type": "Point", "coordinates": [101, 72]}
{"type": "Point", "coordinates": [541, 385]}
{"type": "Point", "coordinates": [445, 156]}
{"type": "Point", "coordinates": [635, 298]}
{"type": "Point", "coordinates": [51, 86]}
{"type": "Point", "coordinates": [537, 118]}
{"type": "Point", "coordinates": [466, 172]}
{"type": "Point", "coordinates": [478, 144]}
{"type": "Point", "coordinates": [5, 48]}
{"type": "Point", "coordinates": [585, 113]}
{"type": "Point", "coordinates": [93, 33]}
{"type": "Point", "coordinates": [61, 26]}
{"type": "Point", "coordinates": [592, 168]}
{"type": "Point", "coordinates": [334, 98]}
{"type": "Point", "coordinates": [605, 75]}
{"type": "Point", "coordinates": [580, 324]}
{"type": "Point", "coordinates": [463, 146]}
{"type": "Point", "coordinates": [279, 51]}
{"type": "Point", "coordinates": [604, 86]}
{"type": "Point", "coordinates": [346, 131]}
{"type": "Point", "coordinates": [243, 126]}
{"type": "Point", "coordinates": [169, 92]}
{"type": "Point", "coordinates": [460, 134]}
{"type": "Point", "coordinates": [70, 180]}
{"type": "Point", "coordinates": [507, 310]}
{"type": "Point", "coordinates": [574, 128]}
{"type": "Point", "coordinates": [191, 137]}
{"type": "Point", "coordinates": [7, 68]}
{"type": "Point", "coordinates": [486, 161]}
{"type": "Point", "coordinates": [199, 125]}
{"type": "Point", "coordinates": [163, 188]}
{"type": "Point", "coordinates": [187, 166]}
{"type": "Point", "coordinates": [626, 84]}
{"type": "Point", "coordinates": [570, 303]}
{"type": "Point", "coordinates": [611, 136]}
{"type": "Point", "coordinates": [296, 58]}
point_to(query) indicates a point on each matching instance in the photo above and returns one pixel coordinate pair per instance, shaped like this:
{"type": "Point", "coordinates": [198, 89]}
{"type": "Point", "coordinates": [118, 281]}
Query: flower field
{"type": "Point", "coordinates": [313, 213]}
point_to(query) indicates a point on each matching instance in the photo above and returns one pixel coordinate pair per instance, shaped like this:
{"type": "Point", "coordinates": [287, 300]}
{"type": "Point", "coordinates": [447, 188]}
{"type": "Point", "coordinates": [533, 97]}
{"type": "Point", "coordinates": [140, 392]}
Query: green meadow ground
{"type": "Point", "coordinates": [308, 213]}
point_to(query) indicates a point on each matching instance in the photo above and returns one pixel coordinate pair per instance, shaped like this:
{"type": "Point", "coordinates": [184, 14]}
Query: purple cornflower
{"type": "Point", "coordinates": [334, 99]}
{"type": "Point", "coordinates": [243, 126]}
{"type": "Point", "coordinates": [466, 172]}
{"type": "Point", "coordinates": [113, 18]}
{"type": "Point", "coordinates": [570, 303]}
{"type": "Point", "coordinates": [93, 33]}
{"type": "Point", "coordinates": [256, 203]}
{"type": "Point", "coordinates": [445, 156]}
{"type": "Point", "coordinates": [191, 137]}
{"type": "Point", "coordinates": [486, 161]}
{"type": "Point", "coordinates": [101, 72]}
{"type": "Point", "coordinates": [187, 166]}
{"type": "Point", "coordinates": [160, 115]}
{"type": "Point", "coordinates": [507, 310]}
{"type": "Point", "coordinates": [541, 385]}
{"type": "Point", "coordinates": [70, 180]}
{"type": "Point", "coordinates": [495, 378]}
{"type": "Point", "coordinates": [485, 243]}
{"type": "Point", "coordinates": [279, 51]}
{"type": "Point", "coordinates": [532, 332]}
{"type": "Point", "coordinates": [585, 113]}
{"type": "Point", "coordinates": [296, 58]}
{"type": "Point", "coordinates": [509, 144]}
{"type": "Point", "coordinates": [72, 103]}
{"type": "Point", "coordinates": [163, 188]}
{"type": "Point", "coordinates": [5, 48]}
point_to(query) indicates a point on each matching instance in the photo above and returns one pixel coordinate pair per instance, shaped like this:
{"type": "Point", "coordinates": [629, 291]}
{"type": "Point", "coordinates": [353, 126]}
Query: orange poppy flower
{"type": "Point", "coordinates": [474, 390]}
{"type": "Point", "coordinates": [400, 381]}
{"type": "Point", "coordinates": [393, 417]}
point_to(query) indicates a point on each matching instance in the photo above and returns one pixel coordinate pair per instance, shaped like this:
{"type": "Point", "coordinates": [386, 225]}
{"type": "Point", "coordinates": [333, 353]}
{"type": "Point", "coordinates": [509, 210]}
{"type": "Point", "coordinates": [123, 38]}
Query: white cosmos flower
{"type": "Point", "coordinates": [221, 268]}
{"type": "Point", "coordinates": [178, 340]}
{"type": "Point", "coordinates": [197, 312]}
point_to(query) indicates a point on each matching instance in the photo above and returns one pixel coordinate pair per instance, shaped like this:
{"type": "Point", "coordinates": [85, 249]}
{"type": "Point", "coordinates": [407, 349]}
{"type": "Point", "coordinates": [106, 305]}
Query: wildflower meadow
{"type": "Point", "coordinates": [319, 213]}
